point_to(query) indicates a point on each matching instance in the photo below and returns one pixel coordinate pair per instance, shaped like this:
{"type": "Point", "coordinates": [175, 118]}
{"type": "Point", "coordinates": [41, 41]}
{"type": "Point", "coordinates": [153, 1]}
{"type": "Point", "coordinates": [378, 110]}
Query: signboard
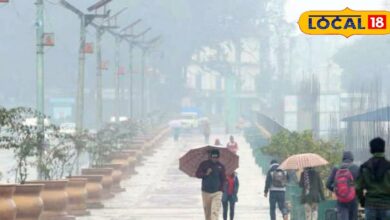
{"type": "Point", "coordinates": [346, 22]}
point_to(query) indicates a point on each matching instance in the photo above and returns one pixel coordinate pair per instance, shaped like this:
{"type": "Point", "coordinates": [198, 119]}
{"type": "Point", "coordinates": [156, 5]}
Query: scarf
{"type": "Point", "coordinates": [230, 182]}
{"type": "Point", "coordinates": [306, 182]}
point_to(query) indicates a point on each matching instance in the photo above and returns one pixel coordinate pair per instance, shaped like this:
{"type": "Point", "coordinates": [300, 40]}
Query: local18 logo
{"type": "Point", "coordinates": [346, 22]}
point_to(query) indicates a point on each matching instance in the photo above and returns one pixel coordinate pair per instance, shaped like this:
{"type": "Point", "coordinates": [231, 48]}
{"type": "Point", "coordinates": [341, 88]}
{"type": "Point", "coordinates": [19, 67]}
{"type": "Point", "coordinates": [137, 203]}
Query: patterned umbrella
{"type": "Point", "coordinates": [300, 161]}
{"type": "Point", "coordinates": [190, 162]}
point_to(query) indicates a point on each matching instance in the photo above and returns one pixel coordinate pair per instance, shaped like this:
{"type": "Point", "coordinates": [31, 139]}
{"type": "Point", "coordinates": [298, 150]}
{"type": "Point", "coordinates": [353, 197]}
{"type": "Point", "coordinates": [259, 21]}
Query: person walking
{"type": "Point", "coordinates": [213, 176]}
{"type": "Point", "coordinates": [217, 143]}
{"type": "Point", "coordinates": [229, 197]}
{"type": "Point", "coordinates": [206, 130]}
{"type": "Point", "coordinates": [312, 192]}
{"type": "Point", "coordinates": [373, 183]}
{"type": "Point", "coordinates": [176, 133]}
{"type": "Point", "coordinates": [275, 184]}
{"type": "Point", "coordinates": [232, 145]}
{"type": "Point", "coordinates": [341, 182]}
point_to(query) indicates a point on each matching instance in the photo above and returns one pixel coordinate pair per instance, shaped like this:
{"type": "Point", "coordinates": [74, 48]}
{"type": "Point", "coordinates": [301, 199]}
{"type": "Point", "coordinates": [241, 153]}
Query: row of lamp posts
{"type": "Point", "coordinates": [85, 21]}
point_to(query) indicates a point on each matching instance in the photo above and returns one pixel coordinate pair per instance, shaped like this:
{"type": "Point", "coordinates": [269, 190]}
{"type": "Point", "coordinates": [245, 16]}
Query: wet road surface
{"type": "Point", "coordinates": [159, 191]}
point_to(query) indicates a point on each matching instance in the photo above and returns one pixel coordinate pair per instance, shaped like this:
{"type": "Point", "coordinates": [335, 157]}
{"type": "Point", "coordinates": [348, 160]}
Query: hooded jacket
{"type": "Point", "coordinates": [268, 181]}
{"type": "Point", "coordinates": [374, 177]}
{"type": "Point", "coordinates": [346, 163]}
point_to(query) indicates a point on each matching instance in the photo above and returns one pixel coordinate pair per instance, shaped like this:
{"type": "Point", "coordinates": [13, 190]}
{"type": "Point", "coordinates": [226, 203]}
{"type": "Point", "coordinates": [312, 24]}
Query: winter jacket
{"type": "Point", "coordinates": [268, 180]}
{"type": "Point", "coordinates": [215, 181]}
{"type": "Point", "coordinates": [235, 191]}
{"type": "Point", "coordinates": [374, 178]}
{"type": "Point", "coordinates": [316, 193]}
{"type": "Point", "coordinates": [354, 169]}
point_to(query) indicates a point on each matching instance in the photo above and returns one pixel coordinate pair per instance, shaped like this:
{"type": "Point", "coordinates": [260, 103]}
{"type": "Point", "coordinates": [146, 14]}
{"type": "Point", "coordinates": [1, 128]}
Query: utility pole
{"type": "Point", "coordinates": [99, 81]}
{"type": "Point", "coordinates": [81, 78]}
{"type": "Point", "coordinates": [100, 31]}
{"type": "Point", "coordinates": [143, 55]}
{"type": "Point", "coordinates": [130, 40]}
{"type": "Point", "coordinates": [40, 82]}
{"type": "Point", "coordinates": [131, 80]}
{"type": "Point", "coordinates": [106, 26]}
{"type": "Point", "coordinates": [145, 47]}
{"type": "Point", "coordinates": [85, 20]}
{"type": "Point", "coordinates": [117, 76]}
{"type": "Point", "coordinates": [118, 40]}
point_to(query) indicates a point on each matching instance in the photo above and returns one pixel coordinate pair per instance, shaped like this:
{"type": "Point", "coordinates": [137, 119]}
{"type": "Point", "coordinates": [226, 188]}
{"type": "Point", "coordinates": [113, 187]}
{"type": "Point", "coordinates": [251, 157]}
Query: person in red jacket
{"type": "Point", "coordinates": [229, 197]}
{"type": "Point", "coordinates": [213, 176]}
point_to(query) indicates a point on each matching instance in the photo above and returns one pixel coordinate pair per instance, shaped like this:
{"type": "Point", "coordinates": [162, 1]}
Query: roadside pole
{"type": "Point", "coordinates": [40, 82]}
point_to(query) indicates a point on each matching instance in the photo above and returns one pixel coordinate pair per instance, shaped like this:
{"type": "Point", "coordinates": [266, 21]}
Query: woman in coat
{"type": "Point", "coordinates": [312, 192]}
{"type": "Point", "coordinates": [229, 197]}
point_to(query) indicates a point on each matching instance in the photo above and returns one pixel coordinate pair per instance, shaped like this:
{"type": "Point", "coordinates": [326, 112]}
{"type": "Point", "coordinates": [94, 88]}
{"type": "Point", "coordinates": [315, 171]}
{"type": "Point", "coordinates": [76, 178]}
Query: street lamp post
{"type": "Point", "coordinates": [143, 54]}
{"type": "Point", "coordinates": [99, 81]}
{"type": "Point", "coordinates": [85, 20]}
{"type": "Point", "coordinates": [81, 78]}
{"type": "Point", "coordinates": [117, 77]}
{"type": "Point", "coordinates": [40, 81]}
{"type": "Point", "coordinates": [130, 40]}
{"type": "Point", "coordinates": [100, 30]}
{"type": "Point", "coordinates": [146, 45]}
{"type": "Point", "coordinates": [131, 80]}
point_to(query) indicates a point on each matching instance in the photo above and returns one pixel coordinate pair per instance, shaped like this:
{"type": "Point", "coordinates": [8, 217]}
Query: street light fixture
{"type": "Point", "coordinates": [99, 4]}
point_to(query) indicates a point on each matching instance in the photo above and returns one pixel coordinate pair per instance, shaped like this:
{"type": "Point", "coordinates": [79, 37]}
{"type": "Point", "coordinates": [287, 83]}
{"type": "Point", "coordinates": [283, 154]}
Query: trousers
{"type": "Point", "coordinates": [211, 205]}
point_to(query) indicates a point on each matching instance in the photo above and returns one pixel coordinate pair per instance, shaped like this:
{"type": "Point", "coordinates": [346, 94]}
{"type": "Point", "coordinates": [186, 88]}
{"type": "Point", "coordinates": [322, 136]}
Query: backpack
{"type": "Point", "coordinates": [343, 185]}
{"type": "Point", "coordinates": [279, 178]}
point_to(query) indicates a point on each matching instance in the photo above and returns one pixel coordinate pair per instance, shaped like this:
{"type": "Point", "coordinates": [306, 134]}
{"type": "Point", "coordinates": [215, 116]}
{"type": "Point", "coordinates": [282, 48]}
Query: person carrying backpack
{"type": "Point", "coordinates": [341, 183]}
{"type": "Point", "coordinates": [275, 184]}
{"type": "Point", "coordinates": [373, 183]}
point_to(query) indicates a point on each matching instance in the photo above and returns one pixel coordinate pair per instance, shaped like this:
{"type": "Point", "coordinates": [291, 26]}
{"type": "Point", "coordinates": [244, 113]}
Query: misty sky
{"type": "Point", "coordinates": [17, 39]}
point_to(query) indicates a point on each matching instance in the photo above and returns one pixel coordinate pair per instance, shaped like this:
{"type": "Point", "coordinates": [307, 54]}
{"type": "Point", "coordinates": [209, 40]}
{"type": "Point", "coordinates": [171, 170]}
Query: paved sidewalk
{"type": "Point", "coordinates": [161, 192]}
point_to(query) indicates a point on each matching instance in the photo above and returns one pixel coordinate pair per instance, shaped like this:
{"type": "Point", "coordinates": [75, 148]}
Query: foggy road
{"type": "Point", "coordinates": [161, 191]}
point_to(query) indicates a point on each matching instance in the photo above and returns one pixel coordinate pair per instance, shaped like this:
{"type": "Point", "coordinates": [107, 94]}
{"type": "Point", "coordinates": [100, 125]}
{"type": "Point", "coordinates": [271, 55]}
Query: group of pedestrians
{"type": "Point", "coordinates": [218, 188]}
{"type": "Point", "coordinates": [367, 185]}
{"type": "Point", "coordinates": [275, 189]}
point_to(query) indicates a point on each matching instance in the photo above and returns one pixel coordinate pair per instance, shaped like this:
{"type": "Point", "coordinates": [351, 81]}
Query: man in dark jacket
{"type": "Point", "coordinates": [349, 210]}
{"type": "Point", "coordinates": [277, 191]}
{"type": "Point", "coordinates": [373, 183]}
{"type": "Point", "coordinates": [213, 176]}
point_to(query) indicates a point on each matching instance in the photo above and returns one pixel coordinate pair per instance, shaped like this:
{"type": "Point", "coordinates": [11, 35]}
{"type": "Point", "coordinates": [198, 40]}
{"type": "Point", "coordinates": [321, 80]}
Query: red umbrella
{"type": "Point", "coordinates": [190, 162]}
